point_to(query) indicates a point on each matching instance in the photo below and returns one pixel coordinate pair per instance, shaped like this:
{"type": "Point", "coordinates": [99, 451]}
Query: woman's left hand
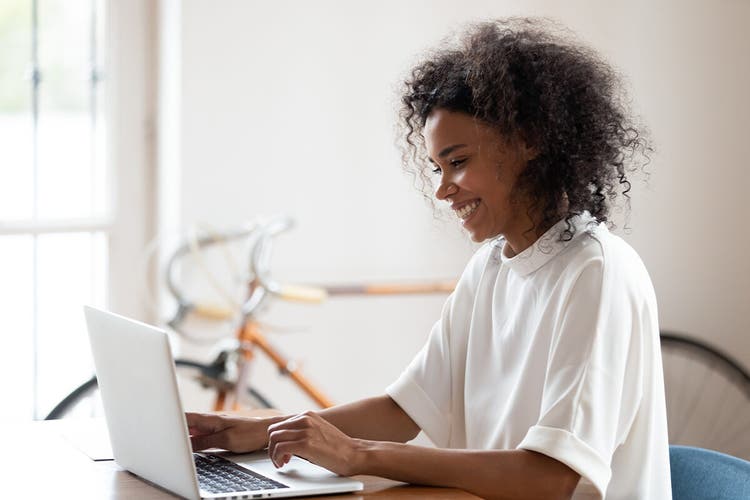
{"type": "Point", "coordinates": [310, 436]}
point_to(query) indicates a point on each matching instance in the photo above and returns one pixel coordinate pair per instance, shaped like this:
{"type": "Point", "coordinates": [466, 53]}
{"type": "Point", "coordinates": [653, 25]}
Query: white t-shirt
{"type": "Point", "coordinates": [555, 350]}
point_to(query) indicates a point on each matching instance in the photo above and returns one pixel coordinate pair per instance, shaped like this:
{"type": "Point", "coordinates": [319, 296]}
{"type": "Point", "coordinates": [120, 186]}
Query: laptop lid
{"type": "Point", "coordinates": [146, 420]}
{"type": "Point", "coordinates": [141, 403]}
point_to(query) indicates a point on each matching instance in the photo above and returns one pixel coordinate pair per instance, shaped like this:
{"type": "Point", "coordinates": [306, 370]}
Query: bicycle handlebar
{"type": "Point", "coordinates": [260, 283]}
{"type": "Point", "coordinates": [186, 247]}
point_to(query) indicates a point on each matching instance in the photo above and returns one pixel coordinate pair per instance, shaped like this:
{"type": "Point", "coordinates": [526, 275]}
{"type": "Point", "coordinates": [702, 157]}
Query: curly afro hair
{"type": "Point", "coordinates": [531, 79]}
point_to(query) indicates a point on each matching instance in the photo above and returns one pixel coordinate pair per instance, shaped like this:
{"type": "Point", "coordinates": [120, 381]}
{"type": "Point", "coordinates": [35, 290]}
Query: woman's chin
{"type": "Point", "coordinates": [476, 235]}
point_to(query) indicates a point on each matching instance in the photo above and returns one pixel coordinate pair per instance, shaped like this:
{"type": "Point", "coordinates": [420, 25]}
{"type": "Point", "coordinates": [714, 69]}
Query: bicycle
{"type": "Point", "coordinates": [707, 396]}
{"type": "Point", "coordinates": [227, 375]}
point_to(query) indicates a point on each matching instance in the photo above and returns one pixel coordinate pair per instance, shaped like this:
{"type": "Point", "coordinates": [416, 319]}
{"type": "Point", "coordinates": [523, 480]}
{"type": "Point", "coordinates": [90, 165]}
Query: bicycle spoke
{"type": "Point", "coordinates": [684, 391]}
{"type": "Point", "coordinates": [721, 421]}
{"type": "Point", "coordinates": [707, 397]}
{"type": "Point", "coordinates": [697, 396]}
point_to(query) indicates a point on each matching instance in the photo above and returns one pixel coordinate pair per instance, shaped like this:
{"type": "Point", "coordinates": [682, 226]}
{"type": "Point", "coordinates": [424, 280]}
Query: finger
{"type": "Point", "coordinates": [197, 431]}
{"type": "Point", "coordinates": [202, 442]}
{"type": "Point", "coordinates": [280, 436]}
{"type": "Point", "coordinates": [213, 440]}
{"type": "Point", "coordinates": [301, 421]}
{"type": "Point", "coordinates": [286, 449]}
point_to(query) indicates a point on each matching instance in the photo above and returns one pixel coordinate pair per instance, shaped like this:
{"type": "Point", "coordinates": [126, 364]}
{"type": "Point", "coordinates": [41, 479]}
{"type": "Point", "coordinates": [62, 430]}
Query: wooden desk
{"type": "Point", "coordinates": [63, 471]}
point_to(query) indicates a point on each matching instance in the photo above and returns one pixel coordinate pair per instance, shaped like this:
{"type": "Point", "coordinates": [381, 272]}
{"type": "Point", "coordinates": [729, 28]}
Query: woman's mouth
{"type": "Point", "coordinates": [467, 210]}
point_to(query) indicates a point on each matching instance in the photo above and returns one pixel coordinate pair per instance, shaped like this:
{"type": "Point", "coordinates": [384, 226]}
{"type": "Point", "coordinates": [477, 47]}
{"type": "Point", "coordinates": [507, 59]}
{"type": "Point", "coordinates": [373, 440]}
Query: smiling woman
{"type": "Point", "coordinates": [478, 169]}
{"type": "Point", "coordinates": [542, 378]}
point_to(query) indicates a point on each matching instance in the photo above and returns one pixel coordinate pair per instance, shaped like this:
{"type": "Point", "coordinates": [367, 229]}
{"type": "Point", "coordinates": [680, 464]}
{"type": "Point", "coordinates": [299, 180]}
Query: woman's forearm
{"type": "Point", "coordinates": [515, 474]}
{"type": "Point", "coordinates": [377, 419]}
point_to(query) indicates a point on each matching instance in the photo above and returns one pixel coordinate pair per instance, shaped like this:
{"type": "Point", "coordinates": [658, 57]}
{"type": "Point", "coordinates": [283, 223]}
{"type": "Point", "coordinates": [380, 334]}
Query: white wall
{"type": "Point", "coordinates": [288, 106]}
{"type": "Point", "coordinates": [130, 99]}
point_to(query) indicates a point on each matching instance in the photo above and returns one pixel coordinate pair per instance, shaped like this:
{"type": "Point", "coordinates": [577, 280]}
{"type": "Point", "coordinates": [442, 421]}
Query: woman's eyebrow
{"type": "Point", "coordinates": [446, 151]}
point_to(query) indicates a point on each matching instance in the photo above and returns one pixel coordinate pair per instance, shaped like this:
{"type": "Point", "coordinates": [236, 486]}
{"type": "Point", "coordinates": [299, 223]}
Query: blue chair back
{"type": "Point", "coordinates": [699, 474]}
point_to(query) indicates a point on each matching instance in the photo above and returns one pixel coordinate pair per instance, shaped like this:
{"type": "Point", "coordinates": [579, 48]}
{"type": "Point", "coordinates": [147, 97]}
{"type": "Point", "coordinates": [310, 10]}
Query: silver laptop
{"type": "Point", "coordinates": [149, 434]}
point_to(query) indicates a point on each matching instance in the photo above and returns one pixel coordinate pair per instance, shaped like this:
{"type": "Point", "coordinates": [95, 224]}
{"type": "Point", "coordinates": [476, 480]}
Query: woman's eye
{"type": "Point", "coordinates": [457, 163]}
{"type": "Point", "coordinates": [436, 170]}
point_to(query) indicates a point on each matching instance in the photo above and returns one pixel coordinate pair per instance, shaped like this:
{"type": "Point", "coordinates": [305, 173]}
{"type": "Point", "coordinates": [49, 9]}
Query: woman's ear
{"type": "Point", "coordinates": [525, 151]}
{"type": "Point", "coordinates": [528, 152]}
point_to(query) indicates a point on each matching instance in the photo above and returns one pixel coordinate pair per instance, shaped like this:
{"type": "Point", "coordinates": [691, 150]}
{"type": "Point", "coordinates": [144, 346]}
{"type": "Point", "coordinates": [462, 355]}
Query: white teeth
{"type": "Point", "coordinates": [465, 211]}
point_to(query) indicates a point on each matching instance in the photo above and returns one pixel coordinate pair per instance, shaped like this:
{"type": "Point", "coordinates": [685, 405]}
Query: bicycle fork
{"type": "Point", "coordinates": [250, 336]}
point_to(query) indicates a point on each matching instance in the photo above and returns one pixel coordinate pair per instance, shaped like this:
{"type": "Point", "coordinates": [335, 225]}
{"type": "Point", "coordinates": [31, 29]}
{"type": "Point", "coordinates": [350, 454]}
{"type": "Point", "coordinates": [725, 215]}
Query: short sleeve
{"type": "Point", "coordinates": [423, 390]}
{"type": "Point", "coordinates": [592, 387]}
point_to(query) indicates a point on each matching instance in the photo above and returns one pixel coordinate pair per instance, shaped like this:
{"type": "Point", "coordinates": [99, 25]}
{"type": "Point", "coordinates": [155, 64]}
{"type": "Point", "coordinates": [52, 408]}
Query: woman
{"type": "Point", "coordinates": [542, 378]}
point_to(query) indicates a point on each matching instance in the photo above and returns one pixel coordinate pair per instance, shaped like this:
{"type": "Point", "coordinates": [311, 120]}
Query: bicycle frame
{"type": "Point", "coordinates": [251, 336]}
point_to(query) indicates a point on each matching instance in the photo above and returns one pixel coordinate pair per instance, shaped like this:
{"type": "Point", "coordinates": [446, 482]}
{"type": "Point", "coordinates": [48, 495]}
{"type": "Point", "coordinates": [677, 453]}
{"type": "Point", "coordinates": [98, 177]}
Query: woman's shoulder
{"type": "Point", "coordinates": [597, 242]}
{"type": "Point", "coordinates": [618, 262]}
{"type": "Point", "coordinates": [616, 252]}
{"type": "Point", "coordinates": [597, 250]}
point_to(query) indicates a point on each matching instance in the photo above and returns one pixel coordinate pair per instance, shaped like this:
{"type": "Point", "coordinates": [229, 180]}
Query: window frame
{"type": "Point", "coordinates": [129, 111]}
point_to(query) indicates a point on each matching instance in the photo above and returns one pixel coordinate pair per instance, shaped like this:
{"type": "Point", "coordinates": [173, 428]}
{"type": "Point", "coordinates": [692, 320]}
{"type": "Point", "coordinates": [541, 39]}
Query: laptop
{"type": "Point", "coordinates": [149, 434]}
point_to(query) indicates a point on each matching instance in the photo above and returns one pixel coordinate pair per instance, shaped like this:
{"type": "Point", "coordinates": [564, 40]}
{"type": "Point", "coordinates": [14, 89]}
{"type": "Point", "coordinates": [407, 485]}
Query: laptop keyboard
{"type": "Point", "coordinates": [219, 475]}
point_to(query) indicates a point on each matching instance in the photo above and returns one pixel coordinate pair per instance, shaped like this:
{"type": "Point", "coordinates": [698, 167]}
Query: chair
{"type": "Point", "coordinates": [700, 474]}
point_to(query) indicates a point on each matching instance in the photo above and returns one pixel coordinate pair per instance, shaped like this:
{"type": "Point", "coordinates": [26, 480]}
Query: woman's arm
{"type": "Point", "coordinates": [378, 418]}
{"type": "Point", "coordinates": [516, 474]}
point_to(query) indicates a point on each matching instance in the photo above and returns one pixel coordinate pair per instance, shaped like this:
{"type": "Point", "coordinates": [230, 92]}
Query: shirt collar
{"type": "Point", "coordinates": [545, 248]}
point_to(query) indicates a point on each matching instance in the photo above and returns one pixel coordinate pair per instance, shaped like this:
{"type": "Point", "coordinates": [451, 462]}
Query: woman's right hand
{"type": "Point", "coordinates": [232, 433]}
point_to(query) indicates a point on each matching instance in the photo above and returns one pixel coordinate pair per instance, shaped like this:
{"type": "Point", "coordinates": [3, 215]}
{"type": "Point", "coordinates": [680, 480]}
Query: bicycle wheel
{"type": "Point", "coordinates": [707, 395]}
{"type": "Point", "coordinates": [197, 384]}
{"type": "Point", "coordinates": [82, 401]}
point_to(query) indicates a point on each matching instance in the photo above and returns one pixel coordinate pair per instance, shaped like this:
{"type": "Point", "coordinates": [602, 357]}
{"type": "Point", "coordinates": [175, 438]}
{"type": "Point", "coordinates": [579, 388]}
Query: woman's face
{"type": "Point", "coordinates": [478, 168]}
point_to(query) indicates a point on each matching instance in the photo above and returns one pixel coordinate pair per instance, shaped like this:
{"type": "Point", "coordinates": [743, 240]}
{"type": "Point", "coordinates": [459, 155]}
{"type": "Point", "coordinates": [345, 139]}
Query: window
{"type": "Point", "coordinates": [55, 217]}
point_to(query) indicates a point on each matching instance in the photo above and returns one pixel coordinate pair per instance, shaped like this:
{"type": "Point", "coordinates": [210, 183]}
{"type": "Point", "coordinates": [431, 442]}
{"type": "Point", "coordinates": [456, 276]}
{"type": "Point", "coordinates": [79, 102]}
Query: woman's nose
{"type": "Point", "coordinates": [445, 188]}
